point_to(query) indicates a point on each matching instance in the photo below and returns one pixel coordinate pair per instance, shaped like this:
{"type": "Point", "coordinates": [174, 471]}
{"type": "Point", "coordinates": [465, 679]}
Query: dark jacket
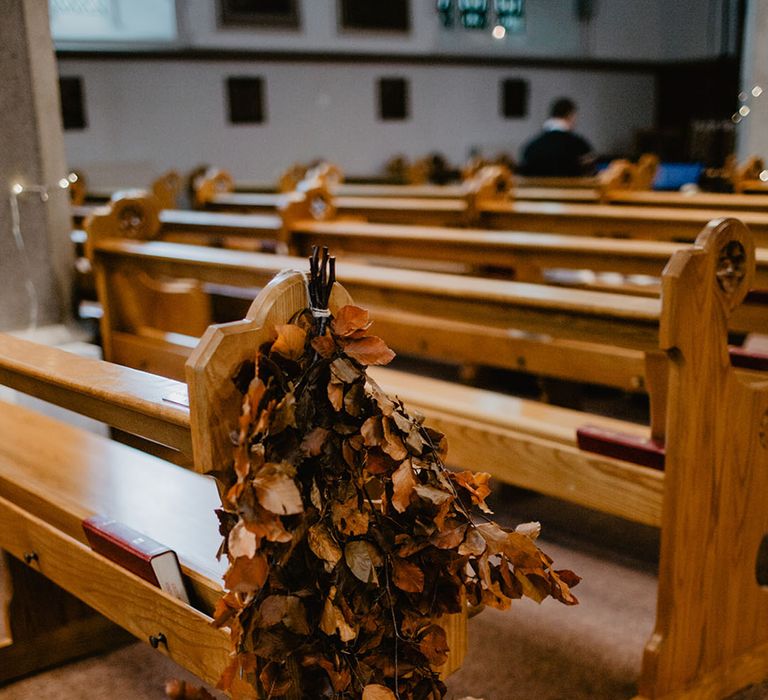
{"type": "Point", "coordinates": [557, 154]}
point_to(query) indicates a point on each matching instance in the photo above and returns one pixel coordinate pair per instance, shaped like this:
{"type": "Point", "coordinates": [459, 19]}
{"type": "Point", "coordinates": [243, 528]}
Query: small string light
{"type": "Point", "coordinates": [499, 32]}
{"type": "Point", "coordinates": [745, 110]}
{"type": "Point", "coordinates": [763, 175]}
{"type": "Point", "coordinates": [17, 190]}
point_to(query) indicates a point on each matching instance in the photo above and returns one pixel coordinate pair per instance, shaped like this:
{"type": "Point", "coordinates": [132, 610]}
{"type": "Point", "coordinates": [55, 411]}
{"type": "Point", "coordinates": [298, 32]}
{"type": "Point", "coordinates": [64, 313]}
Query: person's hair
{"type": "Point", "coordinates": [562, 108]}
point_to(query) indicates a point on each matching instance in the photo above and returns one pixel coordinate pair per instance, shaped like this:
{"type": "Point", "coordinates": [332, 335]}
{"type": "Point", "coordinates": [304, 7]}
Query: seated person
{"type": "Point", "coordinates": [557, 151]}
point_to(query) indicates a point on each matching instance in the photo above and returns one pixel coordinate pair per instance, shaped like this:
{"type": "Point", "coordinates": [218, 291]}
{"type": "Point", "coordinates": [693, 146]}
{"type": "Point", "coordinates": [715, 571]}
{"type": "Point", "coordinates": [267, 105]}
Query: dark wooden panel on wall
{"type": "Point", "coordinates": [393, 99]}
{"type": "Point", "coordinates": [690, 92]}
{"type": "Point", "coordinates": [245, 98]}
{"type": "Point", "coordinates": [514, 98]}
{"type": "Point", "coordinates": [259, 13]}
{"type": "Point", "coordinates": [375, 15]}
{"type": "Point", "coordinates": [342, 57]}
{"type": "Point", "coordinates": [72, 102]}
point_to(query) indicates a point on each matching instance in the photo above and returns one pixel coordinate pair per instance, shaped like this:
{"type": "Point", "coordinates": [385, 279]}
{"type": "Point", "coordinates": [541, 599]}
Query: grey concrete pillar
{"type": "Point", "coordinates": [31, 153]}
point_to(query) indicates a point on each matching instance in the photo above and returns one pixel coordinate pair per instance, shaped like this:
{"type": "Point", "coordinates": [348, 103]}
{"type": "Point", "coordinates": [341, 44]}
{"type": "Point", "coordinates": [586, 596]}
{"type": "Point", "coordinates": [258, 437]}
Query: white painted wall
{"type": "Point", "coordinates": [145, 116]}
{"type": "Point", "coordinates": [620, 29]}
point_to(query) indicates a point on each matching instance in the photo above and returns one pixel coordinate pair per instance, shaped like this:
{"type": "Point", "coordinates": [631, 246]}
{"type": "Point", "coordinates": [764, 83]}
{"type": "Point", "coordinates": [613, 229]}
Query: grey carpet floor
{"type": "Point", "coordinates": [547, 652]}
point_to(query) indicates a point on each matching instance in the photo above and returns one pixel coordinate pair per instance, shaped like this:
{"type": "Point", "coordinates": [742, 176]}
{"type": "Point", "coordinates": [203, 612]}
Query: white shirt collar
{"type": "Point", "coordinates": [555, 124]}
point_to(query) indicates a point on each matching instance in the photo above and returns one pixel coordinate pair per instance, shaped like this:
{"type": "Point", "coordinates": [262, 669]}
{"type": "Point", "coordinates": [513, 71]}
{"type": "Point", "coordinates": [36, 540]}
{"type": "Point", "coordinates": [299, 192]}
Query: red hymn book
{"type": "Point", "coordinates": [141, 555]}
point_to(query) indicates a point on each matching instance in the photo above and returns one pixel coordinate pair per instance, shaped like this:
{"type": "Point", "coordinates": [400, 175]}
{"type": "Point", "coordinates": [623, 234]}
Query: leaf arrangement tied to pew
{"type": "Point", "coordinates": [346, 536]}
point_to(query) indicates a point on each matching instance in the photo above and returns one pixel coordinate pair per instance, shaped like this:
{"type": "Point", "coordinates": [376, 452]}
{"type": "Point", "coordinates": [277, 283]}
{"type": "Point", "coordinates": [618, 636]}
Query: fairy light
{"type": "Point", "coordinates": [499, 32]}
{"type": "Point", "coordinates": [18, 190]}
{"type": "Point", "coordinates": [763, 175]}
{"type": "Point", "coordinates": [744, 111]}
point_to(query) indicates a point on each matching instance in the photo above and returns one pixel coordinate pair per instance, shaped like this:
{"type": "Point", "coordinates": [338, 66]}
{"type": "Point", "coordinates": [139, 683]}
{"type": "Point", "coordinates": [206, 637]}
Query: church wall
{"type": "Point", "coordinates": [146, 115]}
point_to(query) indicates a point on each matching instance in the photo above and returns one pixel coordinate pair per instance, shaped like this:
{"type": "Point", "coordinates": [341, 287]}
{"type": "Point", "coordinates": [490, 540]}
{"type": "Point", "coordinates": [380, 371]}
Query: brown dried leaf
{"type": "Point", "coordinates": [370, 350]}
{"type": "Point", "coordinates": [332, 621]}
{"type": "Point", "coordinates": [376, 462]}
{"type": "Point", "coordinates": [374, 691]}
{"type": "Point", "coordinates": [324, 345]}
{"type": "Point", "coordinates": [477, 485]}
{"type": "Point", "coordinates": [358, 556]}
{"type": "Point", "coordinates": [344, 370]}
{"type": "Point", "coordinates": [279, 494]}
{"type": "Point", "coordinates": [407, 576]}
{"type": "Point", "coordinates": [241, 542]}
{"type": "Point", "coordinates": [276, 679]}
{"type": "Point", "coordinates": [372, 431]}
{"type": "Point", "coordinates": [284, 414]}
{"type": "Point", "coordinates": [353, 400]}
{"type": "Point", "coordinates": [403, 484]}
{"type": "Point", "coordinates": [435, 495]}
{"type": "Point", "coordinates": [385, 404]}
{"type": "Point", "coordinates": [434, 645]}
{"type": "Point", "coordinates": [474, 543]}
{"type": "Point", "coordinates": [336, 394]}
{"type": "Point", "coordinates": [290, 341]}
{"type": "Point", "coordinates": [392, 443]}
{"type": "Point", "coordinates": [450, 538]}
{"type": "Point", "coordinates": [323, 545]}
{"type": "Point", "coordinates": [247, 575]}
{"type": "Point", "coordinates": [312, 444]}
{"type": "Point", "coordinates": [348, 518]}
{"type": "Point", "coordinates": [287, 609]}
{"type": "Point", "coordinates": [349, 320]}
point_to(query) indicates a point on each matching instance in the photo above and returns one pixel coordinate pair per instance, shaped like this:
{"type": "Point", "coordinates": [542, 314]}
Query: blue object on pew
{"type": "Point", "coordinates": [672, 176]}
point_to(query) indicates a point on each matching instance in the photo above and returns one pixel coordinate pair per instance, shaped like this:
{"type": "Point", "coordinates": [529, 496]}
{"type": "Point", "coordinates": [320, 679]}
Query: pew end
{"type": "Point", "coordinates": [746, 177]}
{"type": "Point", "coordinates": [491, 183]}
{"type": "Point", "coordinates": [167, 189]}
{"type": "Point", "coordinates": [312, 201]}
{"type": "Point", "coordinates": [711, 634]}
{"type": "Point", "coordinates": [212, 182]}
{"type": "Point", "coordinates": [330, 174]}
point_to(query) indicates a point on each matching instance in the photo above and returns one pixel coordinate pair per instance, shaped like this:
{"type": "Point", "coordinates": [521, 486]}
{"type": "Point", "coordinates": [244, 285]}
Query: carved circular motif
{"type": "Point", "coordinates": [318, 207]}
{"type": "Point", "coordinates": [130, 219]}
{"type": "Point", "coordinates": [731, 266]}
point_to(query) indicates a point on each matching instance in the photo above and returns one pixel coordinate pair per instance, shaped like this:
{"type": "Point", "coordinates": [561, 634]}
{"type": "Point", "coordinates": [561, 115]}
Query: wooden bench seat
{"type": "Point", "coordinates": [518, 253]}
{"type": "Point", "coordinates": [487, 208]}
{"type": "Point", "coordinates": [657, 223]}
{"type": "Point", "coordinates": [711, 634]}
{"type": "Point", "coordinates": [53, 475]}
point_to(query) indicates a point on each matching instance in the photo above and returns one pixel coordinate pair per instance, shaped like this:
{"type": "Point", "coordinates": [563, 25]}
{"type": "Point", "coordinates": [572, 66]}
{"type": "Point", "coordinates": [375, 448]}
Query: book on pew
{"type": "Point", "coordinates": [141, 555]}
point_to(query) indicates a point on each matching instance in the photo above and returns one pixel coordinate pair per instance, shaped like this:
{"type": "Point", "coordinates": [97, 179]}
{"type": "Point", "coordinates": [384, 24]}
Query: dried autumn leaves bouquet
{"type": "Point", "coordinates": [346, 536]}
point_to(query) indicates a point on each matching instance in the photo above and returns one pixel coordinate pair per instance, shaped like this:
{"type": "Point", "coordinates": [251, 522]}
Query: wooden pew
{"type": "Point", "coordinates": [619, 184]}
{"type": "Point", "coordinates": [653, 223]}
{"type": "Point", "coordinates": [129, 270]}
{"type": "Point", "coordinates": [711, 636]}
{"type": "Point", "coordinates": [519, 255]}
{"type": "Point", "coordinates": [487, 205]}
{"type": "Point", "coordinates": [167, 189]}
{"type": "Point", "coordinates": [747, 177]}
{"type": "Point", "coordinates": [49, 486]}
